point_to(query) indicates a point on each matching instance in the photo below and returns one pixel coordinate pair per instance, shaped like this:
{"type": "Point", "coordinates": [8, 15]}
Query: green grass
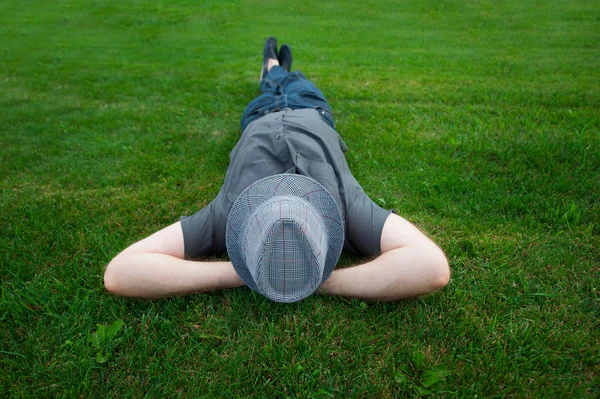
{"type": "Point", "coordinates": [477, 120]}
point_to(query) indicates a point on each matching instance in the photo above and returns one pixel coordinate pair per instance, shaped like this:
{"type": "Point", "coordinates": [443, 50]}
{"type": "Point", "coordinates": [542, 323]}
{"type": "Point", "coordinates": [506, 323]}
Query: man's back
{"type": "Point", "coordinates": [290, 141]}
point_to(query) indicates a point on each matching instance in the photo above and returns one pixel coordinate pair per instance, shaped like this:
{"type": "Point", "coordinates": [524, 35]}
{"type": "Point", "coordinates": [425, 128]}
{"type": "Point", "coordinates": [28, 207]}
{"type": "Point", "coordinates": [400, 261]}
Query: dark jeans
{"type": "Point", "coordinates": [281, 90]}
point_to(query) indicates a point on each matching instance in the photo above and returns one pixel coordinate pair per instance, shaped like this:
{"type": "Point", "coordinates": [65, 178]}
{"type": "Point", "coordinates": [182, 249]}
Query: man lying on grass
{"type": "Point", "coordinates": [287, 208]}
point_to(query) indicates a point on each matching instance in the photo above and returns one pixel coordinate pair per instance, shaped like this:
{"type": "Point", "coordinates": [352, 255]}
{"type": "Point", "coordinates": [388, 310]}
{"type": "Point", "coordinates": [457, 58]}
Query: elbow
{"type": "Point", "coordinates": [440, 270]}
{"type": "Point", "coordinates": [112, 278]}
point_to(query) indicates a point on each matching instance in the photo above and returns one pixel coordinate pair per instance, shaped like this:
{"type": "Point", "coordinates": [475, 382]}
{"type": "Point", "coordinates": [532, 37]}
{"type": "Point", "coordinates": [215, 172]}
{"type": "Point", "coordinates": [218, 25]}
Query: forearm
{"type": "Point", "coordinates": [399, 273]}
{"type": "Point", "coordinates": [154, 275]}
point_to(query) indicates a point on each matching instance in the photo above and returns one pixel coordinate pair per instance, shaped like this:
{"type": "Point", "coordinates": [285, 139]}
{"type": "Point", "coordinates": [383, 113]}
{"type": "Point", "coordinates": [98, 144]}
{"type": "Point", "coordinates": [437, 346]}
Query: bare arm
{"type": "Point", "coordinates": [154, 267]}
{"type": "Point", "coordinates": [410, 264]}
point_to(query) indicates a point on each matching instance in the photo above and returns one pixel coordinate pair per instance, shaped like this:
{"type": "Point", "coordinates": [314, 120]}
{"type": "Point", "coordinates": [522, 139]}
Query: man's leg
{"type": "Point", "coordinates": [282, 89]}
{"type": "Point", "coordinates": [274, 88]}
{"type": "Point", "coordinates": [297, 92]}
{"type": "Point", "coordinates": [267, 101]}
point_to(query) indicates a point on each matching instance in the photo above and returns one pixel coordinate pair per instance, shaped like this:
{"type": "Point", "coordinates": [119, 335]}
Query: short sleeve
{"type": "Point", "coordinates": [198, 232]}
{"type": "Point", "coordinates": [364, 225]}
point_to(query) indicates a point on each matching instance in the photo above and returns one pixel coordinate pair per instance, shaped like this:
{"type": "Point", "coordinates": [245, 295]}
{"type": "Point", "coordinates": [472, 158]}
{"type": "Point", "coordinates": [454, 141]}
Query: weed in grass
{"type": "Point", "coordinates": [103, 340]}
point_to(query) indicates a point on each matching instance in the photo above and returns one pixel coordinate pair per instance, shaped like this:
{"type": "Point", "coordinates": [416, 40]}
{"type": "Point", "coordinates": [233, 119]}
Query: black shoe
{"type": "Point", "coordinates": [285, 57]}
{"type": "Point", "coordinates": [270, 51]}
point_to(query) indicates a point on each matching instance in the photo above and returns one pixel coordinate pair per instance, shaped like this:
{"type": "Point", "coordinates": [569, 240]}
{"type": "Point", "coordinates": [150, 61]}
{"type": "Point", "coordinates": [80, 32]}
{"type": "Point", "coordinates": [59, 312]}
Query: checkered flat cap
{"type": "Point", "coordinates": [284, 236]}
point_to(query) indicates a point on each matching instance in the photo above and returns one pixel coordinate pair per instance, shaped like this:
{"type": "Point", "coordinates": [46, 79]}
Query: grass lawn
{"type": "Point", "coordinates": [479, 121]}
